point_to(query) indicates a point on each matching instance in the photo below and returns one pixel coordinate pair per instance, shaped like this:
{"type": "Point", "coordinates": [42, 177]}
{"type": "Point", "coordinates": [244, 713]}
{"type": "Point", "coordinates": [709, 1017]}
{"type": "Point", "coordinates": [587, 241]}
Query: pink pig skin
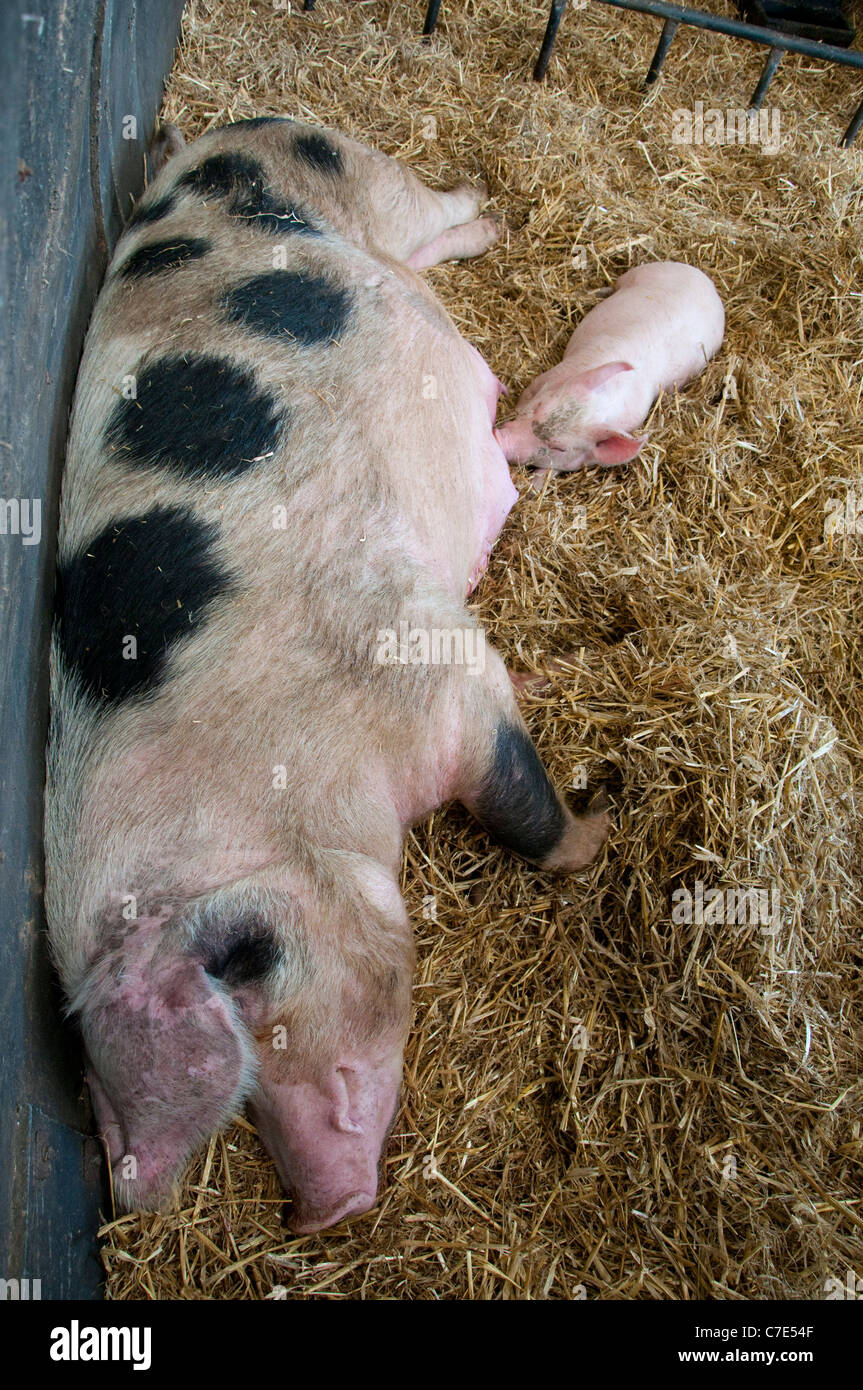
{"type": "Point", "coordinates": [499, 493]}
{"type": "Point", "coordinates": [657, 330]}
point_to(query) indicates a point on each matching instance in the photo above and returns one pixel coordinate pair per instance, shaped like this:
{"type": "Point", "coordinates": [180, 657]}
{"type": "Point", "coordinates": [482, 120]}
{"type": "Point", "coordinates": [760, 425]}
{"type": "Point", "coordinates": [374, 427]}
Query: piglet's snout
{"type": "Point", "coordinates": [326, 1137]}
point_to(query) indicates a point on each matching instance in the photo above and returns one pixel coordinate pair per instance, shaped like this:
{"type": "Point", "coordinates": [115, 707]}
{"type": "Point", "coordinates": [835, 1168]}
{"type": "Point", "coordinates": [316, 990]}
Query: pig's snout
{"type": "Point", "coordinates": [326, 1137]}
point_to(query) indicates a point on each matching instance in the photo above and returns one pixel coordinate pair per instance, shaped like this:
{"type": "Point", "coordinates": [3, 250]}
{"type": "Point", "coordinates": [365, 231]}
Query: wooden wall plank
{"type": "Point", "coordinates": [70, 72]}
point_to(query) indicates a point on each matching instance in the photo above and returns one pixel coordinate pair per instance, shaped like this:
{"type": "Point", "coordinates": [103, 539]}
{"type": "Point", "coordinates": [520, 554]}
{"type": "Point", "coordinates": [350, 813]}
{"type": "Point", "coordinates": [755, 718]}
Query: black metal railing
{"type": "Point", "coordinates": [673, 16]}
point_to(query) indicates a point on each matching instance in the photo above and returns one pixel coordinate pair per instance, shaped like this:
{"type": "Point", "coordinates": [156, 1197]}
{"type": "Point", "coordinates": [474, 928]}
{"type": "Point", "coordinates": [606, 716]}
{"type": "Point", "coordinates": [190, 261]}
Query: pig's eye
{"type": "Point", "coordinates": [239, 952]}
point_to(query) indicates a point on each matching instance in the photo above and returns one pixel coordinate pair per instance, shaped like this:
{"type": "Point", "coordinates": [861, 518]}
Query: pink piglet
{"type": "Point", "coordinates": [658, 329]}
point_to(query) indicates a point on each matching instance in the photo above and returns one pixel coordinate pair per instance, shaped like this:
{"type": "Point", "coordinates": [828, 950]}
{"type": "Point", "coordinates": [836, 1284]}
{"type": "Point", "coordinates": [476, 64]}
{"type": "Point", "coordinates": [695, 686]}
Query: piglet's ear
{"type": "Point", "coordinates": [586, 382]}
{"type": "Point", "coordinates": [169, 1062]}
{"type": "Point", "coordinates": [618, 448]}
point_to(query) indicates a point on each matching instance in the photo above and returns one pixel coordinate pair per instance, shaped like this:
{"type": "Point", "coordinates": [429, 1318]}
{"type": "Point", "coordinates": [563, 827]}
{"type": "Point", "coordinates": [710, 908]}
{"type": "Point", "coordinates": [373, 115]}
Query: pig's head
{"type": "Point", "coordinates": [563, 422]}
{"type": "Point", "coordinates": [295, 1001]}
{"type": "Point", "coordinates": [331, 1055]}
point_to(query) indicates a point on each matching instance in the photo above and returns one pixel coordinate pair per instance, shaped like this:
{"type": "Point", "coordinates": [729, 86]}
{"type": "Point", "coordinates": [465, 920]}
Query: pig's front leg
{"type": "Point", "coordinates": [446, 227]}
{"type": "Point", "coordinates": [503, 782]}
{"type": "Point", "coordinates": [456, 243]}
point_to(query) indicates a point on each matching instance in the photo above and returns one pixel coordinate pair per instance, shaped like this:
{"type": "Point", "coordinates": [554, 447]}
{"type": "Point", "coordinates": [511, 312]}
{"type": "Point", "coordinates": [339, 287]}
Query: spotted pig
{"type": "Point", "coordinates": [281, 456]}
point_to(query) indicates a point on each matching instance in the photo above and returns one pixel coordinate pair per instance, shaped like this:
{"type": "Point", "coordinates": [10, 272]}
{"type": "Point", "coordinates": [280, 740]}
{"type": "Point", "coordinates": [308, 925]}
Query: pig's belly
{"type": "Point", "coordinates": [498, 497]}
{"type": "Point", "coordinates": [497, 493]}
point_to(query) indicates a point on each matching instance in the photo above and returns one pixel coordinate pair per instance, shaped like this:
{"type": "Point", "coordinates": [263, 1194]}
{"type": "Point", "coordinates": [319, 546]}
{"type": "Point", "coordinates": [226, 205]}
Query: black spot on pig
{"type": "Point", "coordinates": [196, 416]}
{"type": "Point", "coordinates": [254, 122]}
{"type": "Point", "coordinates": [241, 181]}
{"type": "Point", "coordinates": [157, 256]}
{"type": "Point", "coordinates": [306, 308]}
{"type": "Point", "coordinates": [268, 214]}
{"type": "Point", "coordinates": [239, 952]}
{"type": "Point", "coordinates": [153, 578]}
{"type": "Point", "coordinates": [518, 804]}
{"type": "Point", "coordinates": [317, 152]}
{"type": "Point", "coordinates": [222, 175]}
{"type": "Point", "coordinates": [148, 212]}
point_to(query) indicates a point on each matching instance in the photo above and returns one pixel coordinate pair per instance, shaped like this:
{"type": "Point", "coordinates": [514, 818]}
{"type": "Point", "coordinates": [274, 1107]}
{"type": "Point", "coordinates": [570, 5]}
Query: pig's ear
{"type": "Point", "coordinates": [170, 1062]}
{"type": "Point", "coordinates": [618, 448]}
{"type": "Point", "coordinates": [166, 142]}
{"type": "Point", "coordinates": [586, 382]}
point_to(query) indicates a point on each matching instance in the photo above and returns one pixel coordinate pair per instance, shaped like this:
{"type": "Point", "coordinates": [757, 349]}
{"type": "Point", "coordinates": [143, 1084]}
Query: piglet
{"type": "Point", "coordinates": [663, 322]}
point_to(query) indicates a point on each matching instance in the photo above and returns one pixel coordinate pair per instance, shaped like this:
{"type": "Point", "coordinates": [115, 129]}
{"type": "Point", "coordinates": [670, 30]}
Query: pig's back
{"type": "Point", "coordinates": [664, 318]}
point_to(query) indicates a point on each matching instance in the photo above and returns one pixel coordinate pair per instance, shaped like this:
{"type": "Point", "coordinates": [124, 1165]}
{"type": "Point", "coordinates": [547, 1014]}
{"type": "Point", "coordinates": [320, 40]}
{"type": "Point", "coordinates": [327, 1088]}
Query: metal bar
{"type": "Point", "coordinates": [431, 18]}
{"type": "Point", "coordinates": [554, 18]}
{"type": "Point", "coordinates": [669, 29]}
{"type": "Point", "coordinates": [856, 123]}
{"type": "Point", "coordinates": [774, 58]}
{"type": "Point", "coordinates": [754, 33]}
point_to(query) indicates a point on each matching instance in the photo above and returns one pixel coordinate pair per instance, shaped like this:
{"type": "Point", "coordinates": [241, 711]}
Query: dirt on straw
{"type": "Point", "coordinates": [599, 1100]}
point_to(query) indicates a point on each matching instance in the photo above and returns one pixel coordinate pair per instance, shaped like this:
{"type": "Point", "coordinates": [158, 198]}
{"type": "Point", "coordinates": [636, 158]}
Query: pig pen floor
{"type": "Point", "coordinates": [601, 1101]}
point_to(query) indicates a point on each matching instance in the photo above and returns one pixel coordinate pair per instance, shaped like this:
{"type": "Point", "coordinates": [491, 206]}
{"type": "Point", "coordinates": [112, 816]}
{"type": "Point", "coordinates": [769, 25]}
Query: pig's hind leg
{"type": "Point", "coordinates": [503, 782]}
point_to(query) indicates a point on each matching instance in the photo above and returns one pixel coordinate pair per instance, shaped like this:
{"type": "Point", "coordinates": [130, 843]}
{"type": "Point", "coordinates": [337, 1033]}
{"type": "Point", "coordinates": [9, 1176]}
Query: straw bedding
{"type": "Point", "coordinates": [601, 1101]}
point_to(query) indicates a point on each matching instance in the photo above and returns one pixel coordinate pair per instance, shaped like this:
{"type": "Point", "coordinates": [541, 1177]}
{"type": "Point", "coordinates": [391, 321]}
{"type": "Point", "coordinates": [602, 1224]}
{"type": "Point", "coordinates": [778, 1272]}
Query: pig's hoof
{"type": "Point", "coordinates": [493, 224]}
{"type": "Point", "coordinates": [532, 682]}
{"type": "Point", "coordinates": [527, 682]}
{"type": "Point", "coordinates": [473, 238]}
{"type": "Point", "coordinates": [475, 194]}
{"type": "Point", "coordinates": [583, 839]}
